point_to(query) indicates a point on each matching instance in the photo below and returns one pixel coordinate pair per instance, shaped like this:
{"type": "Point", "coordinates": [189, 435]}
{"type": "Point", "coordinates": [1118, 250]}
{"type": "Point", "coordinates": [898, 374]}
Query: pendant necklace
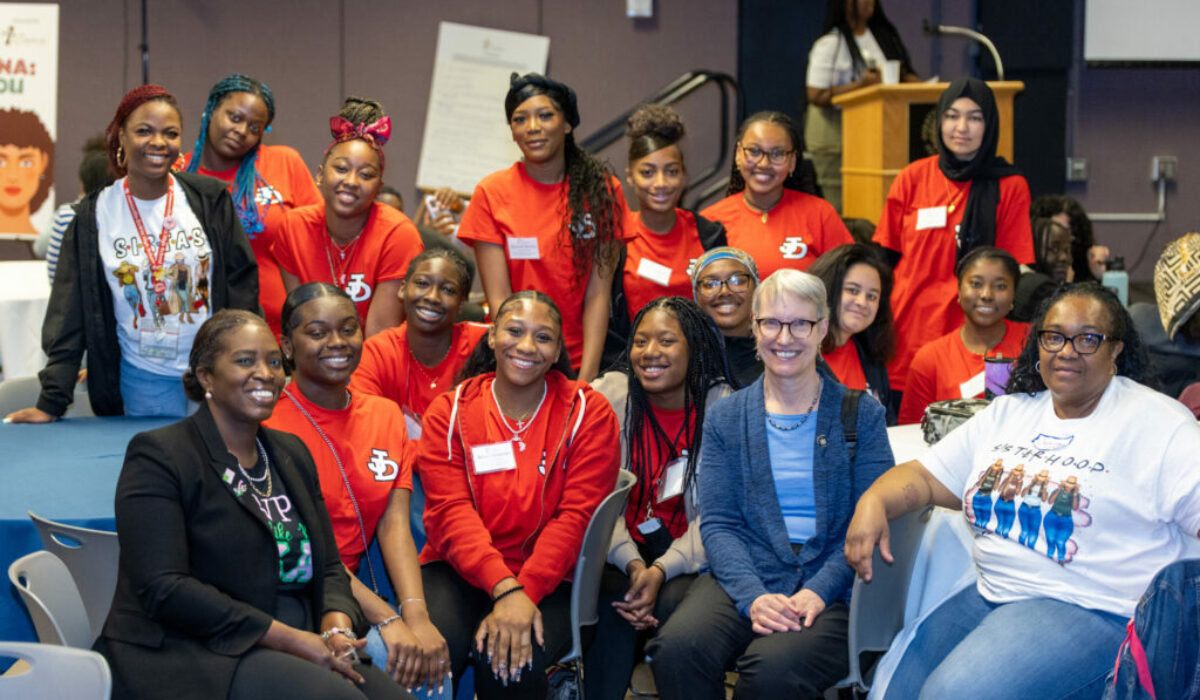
{"type": "Point", "coordinates": [259, 479]}
{"type": "Point", "coordinates": [803, 418]}
{"type": "Point", "coordinates": [415, 363]}
{"type": "Point", "coordinates": [522, 425]}
{"type": "Point", "coordinates": [339, 273]}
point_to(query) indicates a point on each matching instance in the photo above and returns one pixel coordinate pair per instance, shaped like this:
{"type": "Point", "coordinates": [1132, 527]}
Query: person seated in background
{"type": "Point", "coordinates": [952, 367]}
{"type": "Point", "coordinates": [229, 583]}
{"type": "Point", "coordinates": [93, 175]}
{"type": "Point", "coordinates": [1121, 501]}
{"type": "Point", "coordinates": [861, 338]}
{"type": "Point", "coordinates": [1087, 257]}
{"type": "Point", "coordinates": [364, 461]}
{"type": "Point", "coordinates": [723, 282]}
{"type": "Point", "coordinates": [777, 487]}
{"type": "Point", "coordinates": [1171, 328]}
{"type": "Point", "coordinates": [770, 211]}
{"type": "Point", "coordinates": [350, 240]}
{"type": "Point", "coordinates": [390, 196]}
{"type": "Point", "coordinates": [1051, 268]}
{"type": "Point", "coordinates": [672, 371]}
{"type": "Point", "coordinates": [515, 462]}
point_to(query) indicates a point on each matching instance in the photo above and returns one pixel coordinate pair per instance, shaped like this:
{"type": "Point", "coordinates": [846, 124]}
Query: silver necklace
{"type": "Point", "coordinates": [803, 418]}
{"type": "Point", "coordinates": [266, 472]}
{"type": "Point", "coordinates": [522, 425]}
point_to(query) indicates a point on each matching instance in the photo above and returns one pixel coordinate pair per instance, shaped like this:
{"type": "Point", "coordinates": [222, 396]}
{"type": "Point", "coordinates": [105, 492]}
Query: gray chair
{"type": "Point", "coordinates": [91, 557]}
{"type": "Point", "coordinates": [585, 590]}
{"type": "Point", "coordinates": [53, 600]}
{"type": "Point", "coordinates": [877, 608]}
{"type": "Point", "coordinates": [18, 393]}
{"type": "Point", "coordinates": [55, 673]}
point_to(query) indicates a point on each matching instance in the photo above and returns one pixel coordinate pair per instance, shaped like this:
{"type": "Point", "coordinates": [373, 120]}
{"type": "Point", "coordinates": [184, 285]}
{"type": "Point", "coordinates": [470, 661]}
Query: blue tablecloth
{"type": "Point", "coordinates": [66, 471]}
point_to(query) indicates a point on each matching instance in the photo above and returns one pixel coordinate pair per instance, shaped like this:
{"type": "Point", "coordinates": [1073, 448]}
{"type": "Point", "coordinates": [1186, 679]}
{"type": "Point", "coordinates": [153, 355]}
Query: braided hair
{"type": "Point", "coordinates": [1133, 362]}
{"type": "Point", "coordinates": [131, 101]}
{"type": "Point", "coordinates": [595, 218]}
{"type": "Point", "coordinates": [483, 359]}
{"type": "Point", "coordinates": [707, 367]}
{"type": "Point", "coordinates": [799, 179]}
{"type": "Point", "coordinates": [247, 180]}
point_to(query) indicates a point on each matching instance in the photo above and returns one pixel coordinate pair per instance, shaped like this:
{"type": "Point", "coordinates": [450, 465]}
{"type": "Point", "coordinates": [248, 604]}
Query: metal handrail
{"type": "Point", "coordinates": [671, 93]}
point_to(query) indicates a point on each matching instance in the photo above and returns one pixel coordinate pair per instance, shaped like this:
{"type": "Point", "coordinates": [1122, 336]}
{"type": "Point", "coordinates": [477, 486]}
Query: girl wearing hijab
{"type": "Point", "coordinates": [941, 207]}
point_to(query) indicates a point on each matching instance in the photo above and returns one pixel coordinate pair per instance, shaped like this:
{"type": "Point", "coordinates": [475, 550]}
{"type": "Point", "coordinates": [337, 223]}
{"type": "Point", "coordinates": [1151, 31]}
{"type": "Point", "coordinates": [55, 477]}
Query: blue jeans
{"type": "Point", "coordinates": [1037, 648]}
{"type": "Point", "coordinates": [1006, 512]}
{"type": "Point", "coordinates": [1031, 520]}
{"type": "Point", "coordinates": [379, 656]}
{"type": "Point", "coordinates": [1168, 623]}
{"type": "Point", "coordinates": [1058, 531]}
{"type": "Point", "coordinates": [981, 503]}
{"type": "Point", "coordinates": [149, 394]}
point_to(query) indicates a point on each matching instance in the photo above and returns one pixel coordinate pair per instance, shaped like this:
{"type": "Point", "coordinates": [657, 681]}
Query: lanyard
{"type": "Point", "coordinates": [154, 256]}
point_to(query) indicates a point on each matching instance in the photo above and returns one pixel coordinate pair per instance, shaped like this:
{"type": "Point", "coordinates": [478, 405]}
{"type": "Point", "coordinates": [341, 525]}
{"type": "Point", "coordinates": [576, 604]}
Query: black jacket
{"type": "Point", "coordinates": [199, 572]}
{"type": "Point", "coordinates": [80, 314]}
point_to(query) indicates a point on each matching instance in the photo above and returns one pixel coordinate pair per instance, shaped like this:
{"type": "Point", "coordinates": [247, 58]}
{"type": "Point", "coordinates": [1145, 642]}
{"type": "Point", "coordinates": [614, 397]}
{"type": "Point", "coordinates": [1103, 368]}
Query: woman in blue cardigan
{"type": "Point", "coordinates": [777, 488]}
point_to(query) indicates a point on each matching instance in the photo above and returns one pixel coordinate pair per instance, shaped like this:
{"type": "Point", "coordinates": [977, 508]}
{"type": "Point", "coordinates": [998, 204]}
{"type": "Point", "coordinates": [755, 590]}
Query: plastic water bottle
{"type": "Point", "coordinates": [1117, 279]}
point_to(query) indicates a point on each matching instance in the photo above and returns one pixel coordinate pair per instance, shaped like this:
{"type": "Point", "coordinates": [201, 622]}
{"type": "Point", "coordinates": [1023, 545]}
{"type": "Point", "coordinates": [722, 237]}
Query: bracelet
{"type": "Point", "coordinates": [387, 622]}
{"type": "Point", "coordinates": [661, 568]}
{"type": "Point", "coordinates": [410, 600]}
{"type": "Point", "coordinates": [510, 591]}
{"type": "Point", "coordinates": [338, 630]}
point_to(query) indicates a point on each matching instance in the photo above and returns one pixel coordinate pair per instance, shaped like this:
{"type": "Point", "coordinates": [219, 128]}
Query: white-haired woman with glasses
{"type": "Point", "coordinates": [1122, 470]}
{"type": "Point", "coordinates": [777, 486]}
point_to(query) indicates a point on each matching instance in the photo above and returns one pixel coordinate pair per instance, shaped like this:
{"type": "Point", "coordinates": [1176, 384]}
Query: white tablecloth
{"type": "Point", "coordinates": [24, 292]}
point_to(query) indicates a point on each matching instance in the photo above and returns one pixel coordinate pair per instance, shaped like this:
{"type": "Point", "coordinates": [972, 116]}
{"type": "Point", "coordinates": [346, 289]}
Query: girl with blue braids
{"type": "Point", "coordinates": [265, 180]}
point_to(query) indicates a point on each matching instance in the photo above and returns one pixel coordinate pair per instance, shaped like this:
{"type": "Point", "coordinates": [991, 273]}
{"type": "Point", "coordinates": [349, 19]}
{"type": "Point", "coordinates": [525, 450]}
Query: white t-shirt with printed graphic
{"type": "Point", "coordinates": [1136, 460]}
{"type": "Point", "coordinates": [155, 330]}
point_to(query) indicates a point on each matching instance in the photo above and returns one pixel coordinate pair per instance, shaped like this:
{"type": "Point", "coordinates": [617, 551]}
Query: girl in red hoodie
{"type": "Point", "coordinates": [514, 462]}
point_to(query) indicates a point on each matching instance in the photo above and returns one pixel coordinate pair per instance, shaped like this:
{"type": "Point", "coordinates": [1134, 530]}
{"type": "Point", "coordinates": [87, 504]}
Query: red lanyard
{"type": "Point", "coordinates": [154, 256]}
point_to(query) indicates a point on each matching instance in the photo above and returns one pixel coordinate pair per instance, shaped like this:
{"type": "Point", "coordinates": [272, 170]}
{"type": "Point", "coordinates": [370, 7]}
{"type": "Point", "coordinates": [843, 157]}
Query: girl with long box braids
{"type": "Point", "coordinates": [550, 221]}
{"type": "Point", "coordinates": [672, 369]}
{"type": "Point", "coordinates": [350, 240]}
{"type": "Point", "coordinates": [265, 179]}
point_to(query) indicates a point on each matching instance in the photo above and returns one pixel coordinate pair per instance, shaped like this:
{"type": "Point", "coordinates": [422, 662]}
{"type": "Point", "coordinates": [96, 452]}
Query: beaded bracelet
{"type": "Point", "coordinates": [388, 621]}
{"type": "Point", "coordinates": [338, 630]}
{"type": "Point", "coordinates": [510, 591]}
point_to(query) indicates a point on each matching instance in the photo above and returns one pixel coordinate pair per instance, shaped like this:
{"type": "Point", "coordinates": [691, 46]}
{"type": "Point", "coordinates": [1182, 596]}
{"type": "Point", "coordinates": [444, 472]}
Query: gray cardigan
{"type": "Point", "coordinates": [686, 553]}
{"type": "Point", "coordinates": [743, 529]}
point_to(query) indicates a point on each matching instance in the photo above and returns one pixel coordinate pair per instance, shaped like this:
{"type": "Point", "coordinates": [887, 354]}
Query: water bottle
{"type": "Point", "coordinates": [1116, 279]}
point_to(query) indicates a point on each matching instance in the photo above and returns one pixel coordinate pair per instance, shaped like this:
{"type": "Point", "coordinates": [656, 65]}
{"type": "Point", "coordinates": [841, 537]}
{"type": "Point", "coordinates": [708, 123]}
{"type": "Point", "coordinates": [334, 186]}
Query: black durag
{"type": "Point", "coordinates": [978, 227]}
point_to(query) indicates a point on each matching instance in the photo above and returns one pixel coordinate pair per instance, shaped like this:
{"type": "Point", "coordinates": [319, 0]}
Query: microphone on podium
{"type": "Point", "coordinates": [931, 29]}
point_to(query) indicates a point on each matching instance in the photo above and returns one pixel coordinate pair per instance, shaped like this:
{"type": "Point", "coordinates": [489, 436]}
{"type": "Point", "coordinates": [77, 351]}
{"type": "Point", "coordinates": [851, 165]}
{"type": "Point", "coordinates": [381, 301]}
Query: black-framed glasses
{"type": "Point", "coordinates": [798, 327]}
{"type": "Point", "coordinates": [1084, 343]}
{"type": "Point", "coordinates": [776, 156]}
{"type": "Point", "coordinates": [711, 286]}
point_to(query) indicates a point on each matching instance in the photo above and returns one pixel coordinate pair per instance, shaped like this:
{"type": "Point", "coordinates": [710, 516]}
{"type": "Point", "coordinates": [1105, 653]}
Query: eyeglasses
{"type": "Point", "coordinates": [711, 286]}
{"type": "Point", "coordinates": [798, 327]}
{"type": "Point", "coordinates": [1084, 343]}
{"type": "Point", "coordinates": [776, 156]}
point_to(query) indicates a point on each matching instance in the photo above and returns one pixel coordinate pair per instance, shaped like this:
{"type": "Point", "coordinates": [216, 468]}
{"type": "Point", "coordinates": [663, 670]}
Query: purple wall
{"type": "Point", "coordinates": [313, 52]}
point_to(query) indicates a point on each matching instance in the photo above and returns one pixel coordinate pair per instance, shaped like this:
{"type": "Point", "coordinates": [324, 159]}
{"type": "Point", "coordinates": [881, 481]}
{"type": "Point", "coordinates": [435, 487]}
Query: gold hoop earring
{"type": "Point", "coordinates": [120, 155]}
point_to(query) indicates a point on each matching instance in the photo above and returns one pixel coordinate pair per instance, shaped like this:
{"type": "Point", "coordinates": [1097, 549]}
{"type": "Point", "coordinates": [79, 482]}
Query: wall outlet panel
{"type": "Point", "coordinates": [1164, 168]}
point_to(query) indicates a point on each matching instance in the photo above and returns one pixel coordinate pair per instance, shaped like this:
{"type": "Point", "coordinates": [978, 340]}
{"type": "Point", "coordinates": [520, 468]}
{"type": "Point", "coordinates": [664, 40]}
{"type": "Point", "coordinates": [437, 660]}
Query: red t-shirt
{"type": "Point", "coordinates": [511, 209]}
{"type": "Point", "coordinates": [798, 229]}
{"type": "Point", "coordinates": [659, 264]}
{"type": "Point", "coordinates": [382, 252]}
{"type": "Point", "coordinates": [387, 368]}
{"type": "Point", "coordinates": [374, 450]}
{"type": "Point", "coordinates": [642, 500]}
{"type": "Point", "coordinates": [490, 522]}
{"type": "Point", "coordinates": [924, 299]}
{"type": "Point", "coordinates": [847, 366]}
{"type": "Point", "coordinates": [289, 185]}
{"type": "Point", "coordinates": [942, 369]}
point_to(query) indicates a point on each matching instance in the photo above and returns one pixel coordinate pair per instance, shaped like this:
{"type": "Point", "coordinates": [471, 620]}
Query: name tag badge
{"type": "Point", "coordinates": [671, 483]}
{"type": "Point", "coordinates": [931, 217]}
{"type": "Point", "coordinates": [972, 387]}
{"type": "Point", "coordinates": [495, 457]}
{"type": "Point", "coordinates": [650, 526]}
{"type": "Point", "coordinates": [412, 423]}
{"type": "Point", "coordinates": [659, 274]}
{"type": "Point", "coordinates": [158, 344]}
{"type": "Point", "coordinates": [523, 248]}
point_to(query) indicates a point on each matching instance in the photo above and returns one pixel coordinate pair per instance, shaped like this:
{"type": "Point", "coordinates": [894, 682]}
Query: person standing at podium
{"type": "Point", "coordinates": [855, 42]}
{"type": "Point", "coordinates": [941, 207]}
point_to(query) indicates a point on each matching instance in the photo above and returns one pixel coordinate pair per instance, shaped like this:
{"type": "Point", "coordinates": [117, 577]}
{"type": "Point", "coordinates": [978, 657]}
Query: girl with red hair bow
{"type": "Point", "coordinates": [350, 240]}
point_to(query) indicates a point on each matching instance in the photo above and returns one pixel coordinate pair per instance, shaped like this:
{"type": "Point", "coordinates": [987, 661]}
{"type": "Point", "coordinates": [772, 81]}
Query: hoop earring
{"type": "Point", "coordinates": [1037, 366]}
{"type": "Point", "coordinates": [120, 155]}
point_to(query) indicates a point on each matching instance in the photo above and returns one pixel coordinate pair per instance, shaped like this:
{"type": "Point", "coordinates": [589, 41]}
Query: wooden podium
{"type": "Point", "coordinates": [881, 133]}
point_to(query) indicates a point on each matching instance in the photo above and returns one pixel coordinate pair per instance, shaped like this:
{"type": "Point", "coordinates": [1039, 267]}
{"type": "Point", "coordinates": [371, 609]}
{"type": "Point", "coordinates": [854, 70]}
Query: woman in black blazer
{"type": "Point", "coordinates": [228, 572]}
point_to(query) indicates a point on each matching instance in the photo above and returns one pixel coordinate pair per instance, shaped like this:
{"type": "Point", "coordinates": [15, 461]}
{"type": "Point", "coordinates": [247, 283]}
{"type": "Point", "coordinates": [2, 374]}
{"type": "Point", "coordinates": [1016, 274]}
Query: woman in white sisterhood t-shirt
{"type": "Point", "coordinates": [1122, 501]}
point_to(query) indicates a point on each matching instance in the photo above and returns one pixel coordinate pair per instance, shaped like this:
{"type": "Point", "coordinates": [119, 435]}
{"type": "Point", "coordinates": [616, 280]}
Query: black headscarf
{"type": "Point", "coordinates": [522, 87]}
{"type": "Point", "coordinates": [984, 171]}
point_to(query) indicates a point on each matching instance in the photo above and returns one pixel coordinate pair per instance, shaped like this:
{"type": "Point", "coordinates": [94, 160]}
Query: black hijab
{"type": "Point", "coordinates": [978, 227]}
